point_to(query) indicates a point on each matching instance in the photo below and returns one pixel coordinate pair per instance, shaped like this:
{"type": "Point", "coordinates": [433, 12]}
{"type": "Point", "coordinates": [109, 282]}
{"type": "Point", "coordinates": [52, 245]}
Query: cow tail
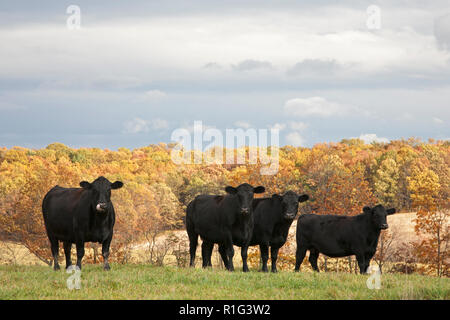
{"type": "Point", "coordinates": [189, 210]}
{"type": "Point", "coordinates": [44, 205]}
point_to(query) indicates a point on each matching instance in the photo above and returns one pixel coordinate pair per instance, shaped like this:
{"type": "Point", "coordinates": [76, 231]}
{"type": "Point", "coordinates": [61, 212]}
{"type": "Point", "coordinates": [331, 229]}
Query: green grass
{"type": "Point", "coordinates": [149, 282]}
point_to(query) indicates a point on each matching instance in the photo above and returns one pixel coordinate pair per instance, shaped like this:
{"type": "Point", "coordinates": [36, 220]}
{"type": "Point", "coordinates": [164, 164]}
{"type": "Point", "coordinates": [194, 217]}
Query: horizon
{"type": "Point", "coordinates": [173, 144]}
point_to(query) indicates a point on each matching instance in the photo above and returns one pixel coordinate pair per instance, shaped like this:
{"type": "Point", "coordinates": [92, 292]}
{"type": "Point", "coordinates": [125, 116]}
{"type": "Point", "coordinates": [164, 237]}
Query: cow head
{"type": "Point", "coordinates": [289, 202]}
{"type": "Point", "coordinates": [244, 194]}
{"type": "Point", "coordinates": [101, 192]}
{"type": "Point", "coordinates": [378, 215]}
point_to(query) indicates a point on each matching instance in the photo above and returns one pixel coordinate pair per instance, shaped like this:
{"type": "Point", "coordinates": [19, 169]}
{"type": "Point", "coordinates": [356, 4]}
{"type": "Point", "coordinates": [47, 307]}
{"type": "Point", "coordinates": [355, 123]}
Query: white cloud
{"type": "Point", "coordinates": [138, 125]}
{"type": "Point", "coordinates": [293, 125]}
{"type": "Point", "coordinates": [298, 126]}
{"type": "Point", "coordinates": [149, 96]}
{"type": "Point", "coordinates": [154, 94]}
{"type": "Point", "coordinates": [277, 126]}
{"type": "Point", "coordinates": [158, 124]}
{"type": "Point", "coordinates": [197, 127]}
{"type": "Point", "coordinates": [186, 58]}
{"type": "Point", "coordinates": [300, 41]}
{"type": "Point", "coordinates": [372, 137]}
{"type": "Point", "coordinates": [438, 120]}
{"type": "Point", "coordinates": [314, 106]}
{"type": "Point", "coordinates": [295, 139]}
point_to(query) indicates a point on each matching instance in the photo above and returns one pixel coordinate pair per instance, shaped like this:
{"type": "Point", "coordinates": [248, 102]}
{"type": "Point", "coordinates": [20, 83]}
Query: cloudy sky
{"type": "Point", "coordinates": [136, 71]}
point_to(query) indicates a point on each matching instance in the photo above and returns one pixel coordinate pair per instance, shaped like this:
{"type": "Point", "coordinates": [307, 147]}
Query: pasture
{"type": "Point", "coordinates": [141, 281]}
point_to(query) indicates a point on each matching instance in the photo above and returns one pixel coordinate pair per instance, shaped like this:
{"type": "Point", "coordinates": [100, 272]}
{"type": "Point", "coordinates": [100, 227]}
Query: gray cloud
{"type": "Point", "coordinates": [442, 31]}
{"type": "Point", "coordinates": [130, 66]}
{"type": "Point", "coordinates": [212, 65]}
{"type": "Point", "coordinates": [311, 67]}
{"type": "Point", "coordinates": [250, 64]}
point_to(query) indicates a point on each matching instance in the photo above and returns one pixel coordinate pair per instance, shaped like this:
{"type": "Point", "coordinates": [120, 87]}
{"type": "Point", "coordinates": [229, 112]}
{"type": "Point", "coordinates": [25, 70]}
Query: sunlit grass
{"type": "Point", "coordinates": [148, 282]}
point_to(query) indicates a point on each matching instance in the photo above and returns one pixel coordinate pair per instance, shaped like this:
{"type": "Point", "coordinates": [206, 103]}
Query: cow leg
{"type": "Point", "coordinates": [193, 242]}
{"type": "Point", "coordinates": [361, 263]}
{"type": "Point", "coordinates": [54, 244]}
{"type": "Point", "coordinates": [207, 248]}
{"type": "Point", "coordinates": [299, 257]}
{"type": "Point", "coordinates": [367, 257]}
{"type": "Point", "coordinates": [313, 256]}
{"type": "Point", "coordinates": [244, 255]}
{"type": "Point", "coordinates": [105, 253]}
{"type": "Point", "coordinates": [209, 254]}
{"type": "Point", "coordinates": [274, 257]}
{"type": "Point", "coordinates": [223, 254]}
{"type": "Point", "coordinates": [230, 253]}
{"type": "Point", "coordinates": [264, 248]}
{"type": "Point", "coordinates": [67, 249]}
{"type": "Point", "coordinates": [80, 253]}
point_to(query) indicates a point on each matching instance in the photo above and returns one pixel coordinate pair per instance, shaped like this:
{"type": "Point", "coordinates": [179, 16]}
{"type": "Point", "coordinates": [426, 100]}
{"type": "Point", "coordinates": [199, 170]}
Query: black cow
{"type": "Point", "coordinates": [79, 215]}
{"type": "Point", "coordinates": [273, 218]}
{"type": "Point", "coordinates": [223, 220]}
{"type": "Point", "coordinates": [341, 236]}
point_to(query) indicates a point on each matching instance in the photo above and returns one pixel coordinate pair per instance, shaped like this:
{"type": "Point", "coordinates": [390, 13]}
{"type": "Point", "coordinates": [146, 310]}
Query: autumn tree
{"type": "Point", "coordinates": [386, 183]}
{"type": "Point", "coordinates": [430, 194]}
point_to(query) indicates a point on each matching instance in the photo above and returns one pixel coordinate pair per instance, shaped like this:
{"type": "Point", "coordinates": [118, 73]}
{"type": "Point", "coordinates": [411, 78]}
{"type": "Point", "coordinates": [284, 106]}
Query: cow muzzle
{"type": "Point", "coordinates": [289, 216]}
{"type": "Point", "coordinates": [245, 210]}
{"type": "Point", "coordinates": [384, 226]}
{"type": "Point", "coordinates": [101, 207]}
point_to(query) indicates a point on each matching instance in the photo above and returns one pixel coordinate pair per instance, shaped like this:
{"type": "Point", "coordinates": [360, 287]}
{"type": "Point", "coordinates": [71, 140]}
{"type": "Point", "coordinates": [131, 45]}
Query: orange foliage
{"type": "Point", "coordinates": [340, 178]}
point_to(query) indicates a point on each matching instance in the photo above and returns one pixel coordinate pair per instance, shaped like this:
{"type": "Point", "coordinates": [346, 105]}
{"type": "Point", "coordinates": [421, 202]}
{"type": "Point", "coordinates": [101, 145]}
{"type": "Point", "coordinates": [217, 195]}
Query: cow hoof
{"type": "Point", "coordinates": [275, 271]}
{"type": "Point", "coordinates": [107, 267]}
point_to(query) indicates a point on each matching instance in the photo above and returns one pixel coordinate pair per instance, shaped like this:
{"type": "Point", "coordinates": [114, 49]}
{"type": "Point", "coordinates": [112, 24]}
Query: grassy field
{"type": "Point", "coordinates": [148, 282]}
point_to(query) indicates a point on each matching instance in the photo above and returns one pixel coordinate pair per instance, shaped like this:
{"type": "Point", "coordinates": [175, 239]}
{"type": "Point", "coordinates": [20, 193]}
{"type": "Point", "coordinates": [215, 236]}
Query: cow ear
{"type": "Point", "coordinates": [303, 198]}
{"type": "Point", "coordinates": [391, 211]}
{"type": "Point", "coordinates": [367, 209]}
{"type": "Point", "coordinates": [231, 190]}
{"type": "Point", "coordinates": [117, 185]}
{"type": "Point", "coordinates": [85, 185]}
{"type": "Point", "coordinates": [259, 189]}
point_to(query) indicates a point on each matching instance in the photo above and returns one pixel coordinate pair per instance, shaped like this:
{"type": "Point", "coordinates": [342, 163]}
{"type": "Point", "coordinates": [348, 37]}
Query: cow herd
{"type": "Point", "coordinates": [86, 214]}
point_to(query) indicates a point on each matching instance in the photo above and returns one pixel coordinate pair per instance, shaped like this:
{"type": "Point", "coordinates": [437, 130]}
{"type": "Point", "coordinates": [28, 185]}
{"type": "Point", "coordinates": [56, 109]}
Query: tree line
{"type": "Point", "coordinates": [341, 178]}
